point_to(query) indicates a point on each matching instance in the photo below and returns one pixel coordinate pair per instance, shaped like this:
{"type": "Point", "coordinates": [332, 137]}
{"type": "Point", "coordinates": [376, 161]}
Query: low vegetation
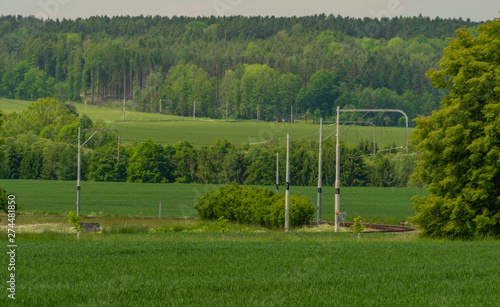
{"type": "Point", "coordinates": [120, 199]}
{"type": "Point", "coordinates": [267, 268]}
{"type": "Point", "coordinates": [252, 205]}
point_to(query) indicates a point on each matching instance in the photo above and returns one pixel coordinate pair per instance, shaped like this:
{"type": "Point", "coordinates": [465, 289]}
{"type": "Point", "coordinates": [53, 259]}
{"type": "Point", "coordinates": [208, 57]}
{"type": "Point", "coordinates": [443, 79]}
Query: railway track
{"type": "Point", "coordinates": [373, 227]}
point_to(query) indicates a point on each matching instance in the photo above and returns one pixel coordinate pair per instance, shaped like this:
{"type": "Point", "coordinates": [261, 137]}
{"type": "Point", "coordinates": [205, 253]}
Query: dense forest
{"type": "Point", "coordinates": [228, 67]}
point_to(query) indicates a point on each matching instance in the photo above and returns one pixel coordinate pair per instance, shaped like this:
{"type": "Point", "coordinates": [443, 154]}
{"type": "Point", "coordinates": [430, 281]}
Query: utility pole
{"type": "Point", "coordinates": [124, 96]}
{"type": "Point", "coordinates": [337, 173]}
{"type": "Point", "coordinates": [287, 192]}
{"type": "Point", "coordinates": [78, 174]}
{"type": "Point", "coordinates": [320, 167]}
{"type": "Point", "coordinates": [79, 160]}
{"type": "Point", "coordinates": [169, 107]}
{"type": "Point", "coordinates": [277, 173]}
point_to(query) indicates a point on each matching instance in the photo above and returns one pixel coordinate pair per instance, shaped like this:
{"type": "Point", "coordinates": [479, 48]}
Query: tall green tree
{"type": "Point", "coordinates": [257, 91]}
{"type": "Point", "coordinates": [45, 112]}
{"type": "Point", "coordinates": [185, 159]}
{"type": "Point", "coordinates": [149, 163]}
{"type": "Point", "coordinates": [459, 147]}
{"type": "Point", "coordinates": [321, 92]}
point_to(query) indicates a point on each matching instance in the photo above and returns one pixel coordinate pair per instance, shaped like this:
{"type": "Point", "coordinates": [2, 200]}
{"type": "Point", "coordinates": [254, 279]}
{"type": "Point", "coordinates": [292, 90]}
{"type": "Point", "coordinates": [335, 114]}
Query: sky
{"type": "Point", "coordinates": [479, 10]}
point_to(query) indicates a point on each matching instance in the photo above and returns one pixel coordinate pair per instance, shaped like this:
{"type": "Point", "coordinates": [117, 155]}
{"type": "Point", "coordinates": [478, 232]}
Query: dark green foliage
{"type": "Point", "coordinates": [185, 159]}
{"type": "Point", "coordinates": [67, 165]}
{"type": "Point", "coordinates": [104, 166]}
{"type": "Point", "coordinates": [459, 148]}
{"type": "Point", "coordinates": [149, 162]}
{"type": "Point", "coordinates": [382, 173]}
{"type": "Point", "coordinates": [4, 201]}
{"type": "Point", "coordinates": [245, 67]}
{"type": "Point", "coordinates": [252, 205]}
{"type": "Point", "coordinates": [31, 165]}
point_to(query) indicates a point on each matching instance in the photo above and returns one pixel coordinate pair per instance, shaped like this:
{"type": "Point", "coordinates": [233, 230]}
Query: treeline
{"type": "Point", "coordinates": [33, 157]}
{"type": "Point", "coordinates": [41, 144]}
{"type": "Point", "coordinates": [236, 67]}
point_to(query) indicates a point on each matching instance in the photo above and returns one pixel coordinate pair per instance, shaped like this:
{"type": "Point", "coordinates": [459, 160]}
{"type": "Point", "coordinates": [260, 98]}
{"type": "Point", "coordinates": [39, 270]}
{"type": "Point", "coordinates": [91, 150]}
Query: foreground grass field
{"type": "Point", "coordinates": [172, 129]}
{"type": "Point", "coordinates": [254, 269]}
{"type": "Point", "coordinates": [383, 205]}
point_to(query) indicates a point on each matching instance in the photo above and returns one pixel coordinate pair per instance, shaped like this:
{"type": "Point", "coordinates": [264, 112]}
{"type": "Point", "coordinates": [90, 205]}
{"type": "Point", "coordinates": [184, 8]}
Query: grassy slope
{"type": "Point", "coordinates": [13, 105]}
{"type": "Point", "coordinates": [387, 205]}
{"type": "Point", "coordinates": [172, 129]}
{"type": "Point", "coordinates": [255, 269]}
{"type": "Point", "coordinates": [205, 132]}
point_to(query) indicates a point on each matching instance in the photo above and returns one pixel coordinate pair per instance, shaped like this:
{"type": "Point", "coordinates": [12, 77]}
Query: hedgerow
{"type": "Point", "coordinates": [252, 205]}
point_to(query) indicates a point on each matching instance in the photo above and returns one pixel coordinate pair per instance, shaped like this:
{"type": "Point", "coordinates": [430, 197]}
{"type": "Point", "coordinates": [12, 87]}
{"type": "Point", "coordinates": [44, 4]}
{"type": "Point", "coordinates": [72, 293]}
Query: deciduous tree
{"type": "Point", "coordinates": [459, 145]}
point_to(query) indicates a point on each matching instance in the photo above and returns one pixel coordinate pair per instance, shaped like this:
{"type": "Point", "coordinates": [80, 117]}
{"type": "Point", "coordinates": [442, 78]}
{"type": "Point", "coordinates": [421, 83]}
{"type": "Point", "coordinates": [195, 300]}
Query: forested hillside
{"type": "Point", "coordinates": [234, 67]}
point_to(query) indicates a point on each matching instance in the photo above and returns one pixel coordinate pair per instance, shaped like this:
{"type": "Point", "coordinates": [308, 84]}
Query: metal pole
{"type": "Point", "coordinates": [287, 192]}
{"type": "Point", "coordinates": [291, 115]}
{"type": "Point", "coordinates": [337, 174]}
{"type": "Point", "coordinates": [320, 167]}
{"type": "Point", "coordinates": [159, 215]}
{"type": "Point", "coordinates": [78, 174]}
{"type": "Point", "coordinates": [119, 140]}
{"type": "Point", "coordinates": [277, 173]}
{"type": "Point", "coordinates": [194, 109]}
{"type": "Point", "coordinates": [406, 117]}
{"type": "Point", "coordinates": [79, 160]}
{"type": "Point", "coordinates": [160, 109]}
{"type": "Point", "coordinates": [124, 96]}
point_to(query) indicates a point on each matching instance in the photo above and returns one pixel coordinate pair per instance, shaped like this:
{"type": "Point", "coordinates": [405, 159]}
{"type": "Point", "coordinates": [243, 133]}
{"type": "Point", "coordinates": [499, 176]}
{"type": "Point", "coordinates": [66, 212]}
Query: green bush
{"type": "Point", "coordinates": [252, 205]}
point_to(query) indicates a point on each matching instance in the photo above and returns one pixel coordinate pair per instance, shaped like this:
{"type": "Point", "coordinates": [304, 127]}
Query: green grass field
{"type": "Point", "coordinates": [254, 269]}
{"type": "Point", "coordinates": [251, 267]}
{"type": "Point", "coordinates": [12, 105]}
{"type": "Point", "coordinates": [202, 131]}
{"type": "Point", "coordinates": [205, 132]}
{"type": "Point", "coordinates": [384, 205]}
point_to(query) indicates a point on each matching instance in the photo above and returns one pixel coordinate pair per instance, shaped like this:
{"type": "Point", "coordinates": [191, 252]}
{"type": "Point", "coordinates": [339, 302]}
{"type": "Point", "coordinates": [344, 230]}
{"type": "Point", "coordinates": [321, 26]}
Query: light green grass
{"type": "Point", "coordinates": [202, 131]}
{"type": "Point", "coordinates": [12, 105]}
{"type": "Point", "coordinates": [263, 269]}
{"type": "Point", "coordinates": [113, 114]}
{"type": "Point", "coordinates": [384, 205]}
{"type": "Point", "coordinates": [205, 132]}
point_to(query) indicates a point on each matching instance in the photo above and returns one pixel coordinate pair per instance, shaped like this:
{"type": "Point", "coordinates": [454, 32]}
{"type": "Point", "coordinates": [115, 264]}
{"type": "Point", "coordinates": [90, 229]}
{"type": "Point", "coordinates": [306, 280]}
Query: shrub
{"type": "Point", "coordinates": [75, 221]}
{"type": "Point", "coordinates": [252, 205]}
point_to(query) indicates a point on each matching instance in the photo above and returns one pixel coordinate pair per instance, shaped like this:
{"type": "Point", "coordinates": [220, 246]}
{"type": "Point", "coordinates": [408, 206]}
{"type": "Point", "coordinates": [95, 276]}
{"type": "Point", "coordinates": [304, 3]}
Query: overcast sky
{"type": "Point", "coordinates": [479, 10]}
